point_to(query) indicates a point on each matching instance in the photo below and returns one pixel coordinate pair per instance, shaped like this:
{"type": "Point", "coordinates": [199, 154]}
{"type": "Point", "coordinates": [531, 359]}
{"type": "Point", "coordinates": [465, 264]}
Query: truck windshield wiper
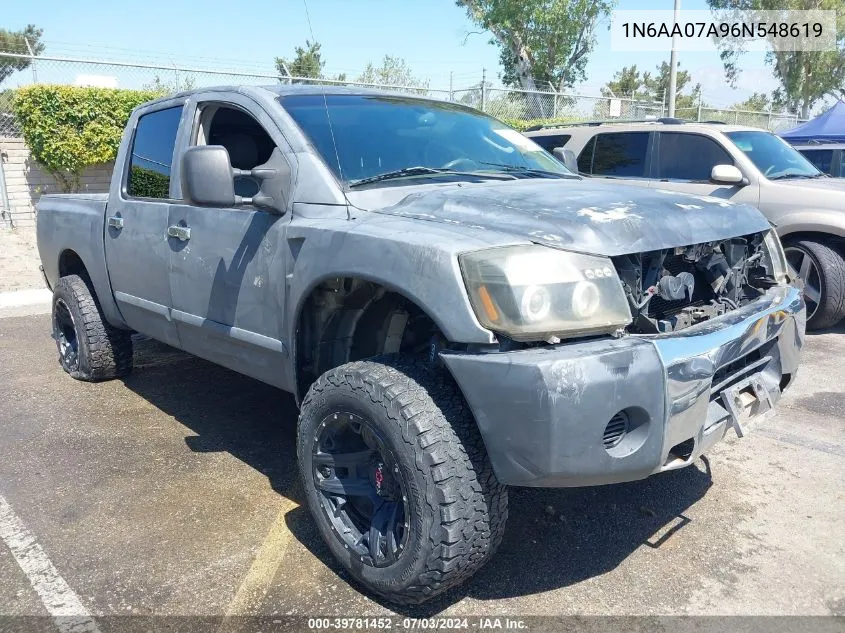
{"type": "Point", "coordinates": [420, 170]}
{"type": "Point", "coordinates": [521, 169]}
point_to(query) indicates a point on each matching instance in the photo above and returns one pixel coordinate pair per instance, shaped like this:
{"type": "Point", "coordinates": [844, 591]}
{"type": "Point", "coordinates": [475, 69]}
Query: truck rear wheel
{"type": "Point", "coordinates": [89, 348]}
{"type": "Point", "coordinates": [822, 269]}
{"type": "Point", "coordinates": [397, 478]}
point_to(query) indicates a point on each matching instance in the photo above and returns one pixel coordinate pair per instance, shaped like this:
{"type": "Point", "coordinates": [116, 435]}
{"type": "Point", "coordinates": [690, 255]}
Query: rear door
{"type": "Point", "coordinates": [137, 253]}
{"type": "Point", "coordinates": [683, 162]}
{"type": "Point", "coordinates": [228, 277]}
{"type": "Point", "coordinates": [619, 156]}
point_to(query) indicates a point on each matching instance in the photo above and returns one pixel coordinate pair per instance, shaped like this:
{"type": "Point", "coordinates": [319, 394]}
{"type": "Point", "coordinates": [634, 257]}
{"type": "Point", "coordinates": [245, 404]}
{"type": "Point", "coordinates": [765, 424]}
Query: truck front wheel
{"type": "Point", "coordinates": [89, 348]}
{"type": "Point", "coordinates": [397, 478]}
{"type": "Point", "coordinates": [822, 268]}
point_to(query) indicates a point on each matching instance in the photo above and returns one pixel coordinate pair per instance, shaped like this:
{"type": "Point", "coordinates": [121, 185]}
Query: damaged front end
{"type": "Point", "coordinates": [713, 339]}
{"type": "Point", "coordinates": [672, 289]}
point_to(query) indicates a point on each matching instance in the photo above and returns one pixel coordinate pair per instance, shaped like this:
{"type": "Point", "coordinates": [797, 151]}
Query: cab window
{"type": "Point", "coordinates": [151, 158]}
{"type": "Point", "coordinates": [246, 141]}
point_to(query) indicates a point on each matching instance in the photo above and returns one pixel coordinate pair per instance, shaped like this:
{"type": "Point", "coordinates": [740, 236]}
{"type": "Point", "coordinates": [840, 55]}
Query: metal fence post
{"type": "Point", "coordinates": [32, 62]}
{"type": "Point", "coordinates": [4, 195]}
{"type": "Point", "coordinates": [483, 89]}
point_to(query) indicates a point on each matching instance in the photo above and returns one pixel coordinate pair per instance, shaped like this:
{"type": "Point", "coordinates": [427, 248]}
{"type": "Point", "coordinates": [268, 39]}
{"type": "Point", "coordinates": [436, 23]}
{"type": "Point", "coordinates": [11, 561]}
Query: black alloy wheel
{"type": "Point", "coordinates": [361, 489]}
{"type": "Point", "coordinates": [64, 333]}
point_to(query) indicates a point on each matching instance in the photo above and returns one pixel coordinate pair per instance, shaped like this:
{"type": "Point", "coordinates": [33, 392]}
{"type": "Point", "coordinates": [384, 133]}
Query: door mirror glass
{"type": "Point", "coordinates": [207, 178]}
{"type": "Point", "coordinates": [726, 174]}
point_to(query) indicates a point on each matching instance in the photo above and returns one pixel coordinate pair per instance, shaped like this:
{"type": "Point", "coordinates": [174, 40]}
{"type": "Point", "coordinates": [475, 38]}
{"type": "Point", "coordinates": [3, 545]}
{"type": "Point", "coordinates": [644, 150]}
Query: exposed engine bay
{"type": "Point", "coordinates": [671, 289]}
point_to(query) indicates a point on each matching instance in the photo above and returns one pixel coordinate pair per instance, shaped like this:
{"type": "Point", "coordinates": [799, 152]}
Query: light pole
{"type": "Point", "coordinates": [673, 63]}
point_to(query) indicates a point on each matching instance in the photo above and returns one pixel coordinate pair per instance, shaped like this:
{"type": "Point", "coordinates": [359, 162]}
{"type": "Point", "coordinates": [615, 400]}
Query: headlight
{"type": "Point", "coordinates": [777, 260]}
{"type": "Point", "coordinates": [532, 293]}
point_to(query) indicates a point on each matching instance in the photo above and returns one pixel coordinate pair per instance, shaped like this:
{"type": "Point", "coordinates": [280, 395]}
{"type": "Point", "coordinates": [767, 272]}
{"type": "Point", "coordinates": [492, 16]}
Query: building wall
{"type": "Point", "coordinates": [26, 181]}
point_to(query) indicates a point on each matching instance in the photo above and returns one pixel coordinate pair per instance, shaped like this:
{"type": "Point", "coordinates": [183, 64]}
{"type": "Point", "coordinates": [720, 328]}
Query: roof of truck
{"type": "Point", "coordinates": [293, 89]}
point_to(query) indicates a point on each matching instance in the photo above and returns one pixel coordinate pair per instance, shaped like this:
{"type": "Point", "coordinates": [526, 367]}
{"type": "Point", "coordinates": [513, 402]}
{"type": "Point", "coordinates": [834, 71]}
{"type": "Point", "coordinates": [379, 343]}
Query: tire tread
{"type": "Point", "coordinates": [438, 427]}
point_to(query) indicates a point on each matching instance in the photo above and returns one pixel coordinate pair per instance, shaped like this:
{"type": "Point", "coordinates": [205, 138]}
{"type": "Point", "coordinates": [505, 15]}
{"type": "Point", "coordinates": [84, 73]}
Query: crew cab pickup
{"type": "Point", "coordinates": [454, 311]}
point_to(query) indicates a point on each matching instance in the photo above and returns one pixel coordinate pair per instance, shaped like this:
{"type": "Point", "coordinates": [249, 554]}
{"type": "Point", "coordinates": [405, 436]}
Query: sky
{"type": "Point", "coordinates": [434, 37]}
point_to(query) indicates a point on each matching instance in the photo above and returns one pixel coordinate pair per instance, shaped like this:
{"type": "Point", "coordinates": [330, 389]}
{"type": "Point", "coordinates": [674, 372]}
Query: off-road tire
{"type": "Point", "coordinates": [103, 351]}
{"type": "Point", "coordinates": [831, 268]}
{"type": "Point", "coordinates": [458, 509]}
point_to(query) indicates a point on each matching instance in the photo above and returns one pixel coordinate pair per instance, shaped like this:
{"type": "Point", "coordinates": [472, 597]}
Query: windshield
{"type": "Point", "coordinates": [379, 134]}
{"type": "Point", "coordinates": [773, 156]}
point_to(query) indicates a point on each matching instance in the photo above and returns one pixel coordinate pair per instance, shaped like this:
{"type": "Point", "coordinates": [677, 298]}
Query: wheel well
{"type": "Point", "coordinates": [345, 319]}
{"type": "Point", "coordinates": [71, 264]}
{"type": "Point", "coordinates": [814, 236]}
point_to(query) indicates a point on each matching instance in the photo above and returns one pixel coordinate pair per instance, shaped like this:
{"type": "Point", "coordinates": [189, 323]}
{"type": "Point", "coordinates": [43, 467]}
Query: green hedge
{"type": "Point", "coordinates": [69, 128]}
{"type": "Point", "coordinates": [148, 183]}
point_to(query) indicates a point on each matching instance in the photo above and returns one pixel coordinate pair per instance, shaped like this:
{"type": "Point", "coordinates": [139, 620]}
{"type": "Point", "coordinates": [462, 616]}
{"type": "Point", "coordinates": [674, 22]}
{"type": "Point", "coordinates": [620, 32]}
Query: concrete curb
{"type": "Point", "coordinates": [17, 303]}
{"type": "Point", "coordinates": [28, 297]}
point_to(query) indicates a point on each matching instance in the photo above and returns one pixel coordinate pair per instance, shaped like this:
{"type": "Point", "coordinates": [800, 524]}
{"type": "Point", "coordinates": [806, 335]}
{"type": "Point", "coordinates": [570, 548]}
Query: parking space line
{"type": "Point", "coordinates": [259, 578]}
{"type": "Point", "coordinates": [58, 598]}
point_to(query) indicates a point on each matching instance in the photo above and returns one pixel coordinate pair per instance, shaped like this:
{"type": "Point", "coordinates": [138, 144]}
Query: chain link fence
{"type": "Point", "coordinates": [524, 105]}
{"type": "Point", "coordinates": [768, 120]}
{"type": "Point", "coordinates": [130, 75]}
{"type": "Point", "coordinates": [517, 106]}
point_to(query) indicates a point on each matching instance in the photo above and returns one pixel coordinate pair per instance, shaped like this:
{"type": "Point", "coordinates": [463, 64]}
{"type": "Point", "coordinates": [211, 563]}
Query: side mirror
{"type": "Point", "coordinates": [207, 178]}
{"type": "Point", "coordinates": [567, 157]}
{"type": "Point", "coordinates": [728, 175]}
{"type": "Point", "coordinates": [274, 176]}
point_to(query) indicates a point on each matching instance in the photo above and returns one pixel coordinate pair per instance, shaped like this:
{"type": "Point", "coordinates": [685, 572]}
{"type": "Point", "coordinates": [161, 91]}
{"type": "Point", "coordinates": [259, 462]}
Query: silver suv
{"type": "Point", "coordinates": [737, 163]}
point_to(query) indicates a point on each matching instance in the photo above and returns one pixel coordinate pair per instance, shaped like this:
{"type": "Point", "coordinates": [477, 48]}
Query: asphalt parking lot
{"type": "Point", "coordinates": [174, 492]}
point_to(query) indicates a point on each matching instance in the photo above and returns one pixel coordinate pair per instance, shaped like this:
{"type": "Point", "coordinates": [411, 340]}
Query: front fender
{"type": "Point", "coordinates": [415, 259]}
{"type": "Point", "coordinates": [812, 220]}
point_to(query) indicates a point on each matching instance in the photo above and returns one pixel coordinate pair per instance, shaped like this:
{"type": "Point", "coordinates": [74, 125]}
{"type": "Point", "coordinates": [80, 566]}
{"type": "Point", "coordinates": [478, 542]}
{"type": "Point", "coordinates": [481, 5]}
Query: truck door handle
{"type": "Point", "coordinates": [116, 222]}
{"type": "Point", "coordinates": [180, 232]}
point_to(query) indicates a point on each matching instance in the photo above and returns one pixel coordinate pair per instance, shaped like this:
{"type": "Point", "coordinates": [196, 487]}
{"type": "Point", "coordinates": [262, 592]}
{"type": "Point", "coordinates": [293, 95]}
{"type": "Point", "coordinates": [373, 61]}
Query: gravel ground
{"type": "Point", "coordinates": [174, 492]}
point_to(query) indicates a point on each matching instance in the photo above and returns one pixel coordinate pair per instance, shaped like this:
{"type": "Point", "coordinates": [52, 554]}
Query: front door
{"type": "Point", "coordinates": [683, 162]}
{"type": "Point", "coordinates": [229, 264]}
{"type": "Point", "coordinates": [137, 253]}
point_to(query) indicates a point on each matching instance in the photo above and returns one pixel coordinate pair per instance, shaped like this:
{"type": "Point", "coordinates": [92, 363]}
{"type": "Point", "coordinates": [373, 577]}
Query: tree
{"type": "Point", "coordinates": [805, 77]}
{"type": "Point", "coordinates": [757, 102]}
{"type": "Point", "coordinates": [307, 62]}
{"type": "Point", "coordinates": [170, 86]}
{"type": "Point", "coordinates": [626, 83]}
{"type": "Point", "coordinates": [543, 43]}
{"type": "Point", "coordinates": [16, 42]}
{"type": "Point", "coordinates": [658, 86]}
{"type": "Point", "coordinates": [393, 71]}
{"type": "Point", "coordinates": [629, 83]}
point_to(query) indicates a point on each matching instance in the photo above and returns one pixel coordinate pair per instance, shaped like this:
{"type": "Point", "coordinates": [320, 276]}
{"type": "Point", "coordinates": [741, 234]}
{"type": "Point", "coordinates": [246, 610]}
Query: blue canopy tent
{"type": "Point", "coordinates": [828, 127]}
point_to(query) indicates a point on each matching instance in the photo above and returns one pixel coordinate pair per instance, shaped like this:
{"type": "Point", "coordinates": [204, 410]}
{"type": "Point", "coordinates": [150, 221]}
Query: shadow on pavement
{"type": "Point", "coordinates": [558, 537]}
{"type": "Point", "coordinates": [839, 328]}
{"type": "Point", "coordinates": [254, 422]}
{"type": "Point", "coordinates": [554, 538]}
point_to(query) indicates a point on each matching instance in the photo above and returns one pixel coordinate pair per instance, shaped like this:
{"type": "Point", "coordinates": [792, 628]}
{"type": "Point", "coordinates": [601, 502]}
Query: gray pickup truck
{"type": "Point", "coordinates": [454, 311]}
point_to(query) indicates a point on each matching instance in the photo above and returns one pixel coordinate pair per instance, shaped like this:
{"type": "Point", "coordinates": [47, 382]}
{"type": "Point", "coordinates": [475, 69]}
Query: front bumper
{"type": "Point", "coordinates": [544, 412]}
